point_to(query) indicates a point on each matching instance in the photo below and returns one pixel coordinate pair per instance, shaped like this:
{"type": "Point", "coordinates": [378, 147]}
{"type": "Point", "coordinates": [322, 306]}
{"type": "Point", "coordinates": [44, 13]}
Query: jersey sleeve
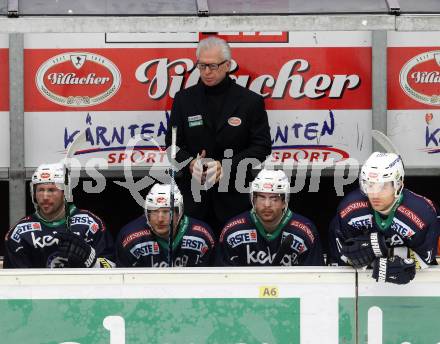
{"type": "Point", "coordinates": [102, 241]}
{"type": "Point", "coordinates": [427, 249]}
{"type": "Point", "coordinates": [226, 255]}
{"type": "Point", "coordinates": [424, 214]}
{"type": "Point", "coordinates": [17, 254]}
{"type": "Point", "coordinates": [123, 256]}
{"type": "Point", "coordinates": [313, 256]}
{"type": "Point", "coordinates": [208, 258]}
{"type": "Point", "coordinates": [16, 257]}
{"type": "Point", "coordinates": [105, 249]}
{"type": "Point", "coordinates": [438, 234]}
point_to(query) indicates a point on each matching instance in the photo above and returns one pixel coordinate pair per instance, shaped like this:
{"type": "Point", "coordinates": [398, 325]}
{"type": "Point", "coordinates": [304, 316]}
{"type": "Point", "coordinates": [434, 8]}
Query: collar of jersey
{"type": "Point", "coordinates": [271, 236]}
{"type": "Point", "coordinates": [183, 225]}
{"type": "Point", "coordinates": [384, 224]}
{"type": "Point", "coordinates": [56, 223]}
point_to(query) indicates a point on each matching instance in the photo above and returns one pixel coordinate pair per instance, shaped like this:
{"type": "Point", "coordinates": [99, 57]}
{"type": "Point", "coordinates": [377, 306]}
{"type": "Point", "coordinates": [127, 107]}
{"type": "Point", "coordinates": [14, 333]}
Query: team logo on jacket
{"type": "Point", "coordinates": [42, 241]}
{"type": "Point", "coordinates": [133, 236]}
{"type": "Point", "coordinates": [234, 223]}
{"type": "Point", "coordinates": [54, 261]}
{"type": "Point", "coordinates": [242, 237]}
{"type": "Point", "coordinates": [420, 78]}
{"type": "Point", "coordinates": [83, 219]}
{"type": "Point", "coordinates": [194, 243]}
{"type": "Point", "coordinates": [147, 248]}
{"type": "Point", "coordinates": [234, 121]}
{"type": "Point", "coordinates": [362, 222]}
{"type": "Point", "coordinates": [298, 244]}
{"type": "Point", "coordinates": [412, 216]}
{"type": "Point", "coordinates": [304, 228]}
{"type": "Point", "coordinates": [352, 207]}
{"type": "Point", "coordinates": [78, 79]}
{"type": "Point", "coordinates": [205, 232]}
{"type": "Point", "coordinates": [259, 257]}
{"type": "Point", "coordinates": [24, 228]}
{"type": "Point", "coordinates": [402, 228]}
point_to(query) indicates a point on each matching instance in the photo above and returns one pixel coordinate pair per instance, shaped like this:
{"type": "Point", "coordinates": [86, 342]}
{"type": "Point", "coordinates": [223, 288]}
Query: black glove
{"type": "Point", "coordinates": [363, 249]}
{"type": "Point", "coordinates": [284, 248]}
{"type": "Point", "coordinates": [394, 270]}
{"type": "Point", "coordinates": [79, 254]}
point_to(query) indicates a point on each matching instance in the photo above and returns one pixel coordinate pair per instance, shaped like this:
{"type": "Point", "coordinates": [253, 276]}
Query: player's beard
{"type": "Point", "coordinates": [49, 212]}
{"type": "Point", "coordinates": [270, 219]}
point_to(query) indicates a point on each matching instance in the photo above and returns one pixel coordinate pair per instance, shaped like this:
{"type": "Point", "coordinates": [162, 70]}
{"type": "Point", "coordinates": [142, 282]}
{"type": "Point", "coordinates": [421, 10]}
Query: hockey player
{"type": "Point", "coordinates": [144, 241]}
{"type": "Point", "coordinates": [270, 233]}
{"type": "Point", "coordinates": [384, 225]}
{"type": "Point", "coordinates": [57, 234]}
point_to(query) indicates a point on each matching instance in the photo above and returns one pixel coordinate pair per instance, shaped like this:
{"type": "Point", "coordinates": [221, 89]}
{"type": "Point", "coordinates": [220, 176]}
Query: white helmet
{"type": "Point", "coordinates": [47, 173]}
{"type": "Point", "coordinates": [271, 181]}
{"type": "Point", "coordinates": [159, 197]}
{"type": "Point", "coordinates": [382, 168]}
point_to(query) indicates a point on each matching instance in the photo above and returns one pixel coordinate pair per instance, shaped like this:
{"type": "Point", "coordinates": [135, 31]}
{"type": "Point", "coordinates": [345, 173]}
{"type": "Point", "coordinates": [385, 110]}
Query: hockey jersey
{"type": "Point", "coordinates": [31, 243]}
{"type": "Point", "coordinates": [245, 242]}
{"type": "Point", "coordinates": [138, 245]}
{"type": "Point", "coordinates": [414, 226]}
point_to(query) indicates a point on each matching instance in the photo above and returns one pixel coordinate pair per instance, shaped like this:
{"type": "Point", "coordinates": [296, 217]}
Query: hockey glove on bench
{"type": "Point", "coordinates": [394, 270]}
{"type": "Point", "coordinates": [284, 248]}
{"type": "Point", "coordinates": [363, 249]}
{"type": "Point", "coordinates": [79, 254]}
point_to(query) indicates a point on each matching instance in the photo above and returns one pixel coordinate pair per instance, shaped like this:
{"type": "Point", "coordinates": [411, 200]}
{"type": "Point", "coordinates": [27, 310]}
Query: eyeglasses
{"type": "Point", "coordinates": [211, 66]}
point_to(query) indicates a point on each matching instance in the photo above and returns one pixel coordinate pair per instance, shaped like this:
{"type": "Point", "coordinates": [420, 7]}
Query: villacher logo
{"type": "Point", "coordinates": [78, 79]}
{"type": "Point", "coordinates": [420, 78]}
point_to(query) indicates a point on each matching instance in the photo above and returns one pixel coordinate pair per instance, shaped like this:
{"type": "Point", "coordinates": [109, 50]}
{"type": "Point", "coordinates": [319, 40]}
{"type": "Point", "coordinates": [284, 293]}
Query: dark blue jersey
{"type": "Point", "coordinates": [137, 245]}
{"type": "Point", "coordinates": [31, 242]}
{"type": "Point", "coordinates": [244, 242]}
{"type": "Point", "coordinates": [413, 226]}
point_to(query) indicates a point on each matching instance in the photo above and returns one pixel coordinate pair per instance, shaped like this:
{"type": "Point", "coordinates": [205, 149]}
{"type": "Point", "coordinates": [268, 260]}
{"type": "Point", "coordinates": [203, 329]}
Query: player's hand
{"type": "Point", "coordinates": [394, 270]}
{"type": "Point", "coordinates": [79, 254]}
{"type": "Point", "coordinates": [363, 249]}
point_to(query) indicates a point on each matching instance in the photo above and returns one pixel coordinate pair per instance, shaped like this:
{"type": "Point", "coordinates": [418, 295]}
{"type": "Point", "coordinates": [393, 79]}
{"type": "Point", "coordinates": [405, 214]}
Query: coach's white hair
{"type": "Point", "coordinates": [211, 42]}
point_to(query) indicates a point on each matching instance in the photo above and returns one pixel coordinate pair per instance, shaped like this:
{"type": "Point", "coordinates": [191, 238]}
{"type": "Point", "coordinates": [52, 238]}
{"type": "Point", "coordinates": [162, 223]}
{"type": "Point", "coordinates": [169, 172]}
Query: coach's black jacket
{"type": "Point", "coordinates": [242, 126]}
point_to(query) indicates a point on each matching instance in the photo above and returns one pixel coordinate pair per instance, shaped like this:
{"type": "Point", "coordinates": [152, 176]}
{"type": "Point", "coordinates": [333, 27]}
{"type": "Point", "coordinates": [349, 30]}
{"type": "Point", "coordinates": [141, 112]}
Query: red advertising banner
{"type": "Point", "coordinates": [4, 79]}
{"type": "Point", "coordinates": [316, 86]}
{"type": "Point", "coordinates": [133, 79]}
{"type": "Point", "coordinates": [413, 78]}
